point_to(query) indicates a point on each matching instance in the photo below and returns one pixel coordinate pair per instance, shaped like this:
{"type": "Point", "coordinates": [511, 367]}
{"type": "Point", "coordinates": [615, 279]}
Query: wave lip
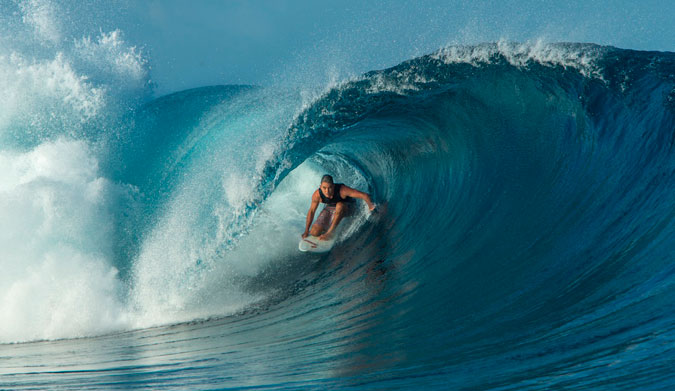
{"type": "Point", "coordinates": [583, 57]}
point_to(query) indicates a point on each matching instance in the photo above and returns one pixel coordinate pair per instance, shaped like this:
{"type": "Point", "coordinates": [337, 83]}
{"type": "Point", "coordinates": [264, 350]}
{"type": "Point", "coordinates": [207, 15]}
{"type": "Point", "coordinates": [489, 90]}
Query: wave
{"type": "Point", "coordinates": [525, 197]}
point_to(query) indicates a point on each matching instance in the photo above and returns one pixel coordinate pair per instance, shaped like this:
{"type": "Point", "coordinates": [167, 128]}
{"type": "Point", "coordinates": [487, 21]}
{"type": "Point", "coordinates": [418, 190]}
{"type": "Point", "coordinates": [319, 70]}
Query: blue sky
{"type": "Point", "coordinates": [198, 43]}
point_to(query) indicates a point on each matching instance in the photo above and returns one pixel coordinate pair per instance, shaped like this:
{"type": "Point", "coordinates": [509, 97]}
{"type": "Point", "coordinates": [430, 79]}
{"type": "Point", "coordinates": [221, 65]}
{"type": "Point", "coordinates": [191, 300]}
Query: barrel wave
{"type": "Point", "coordinates": [523, 237]}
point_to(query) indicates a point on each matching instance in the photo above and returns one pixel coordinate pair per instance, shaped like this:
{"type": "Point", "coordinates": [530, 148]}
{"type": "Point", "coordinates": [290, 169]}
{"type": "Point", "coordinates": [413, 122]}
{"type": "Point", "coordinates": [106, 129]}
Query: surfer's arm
{"type": "Point", "coordinates": [346, 191]}
{"type": "Point", "coordinates": [316, 199]}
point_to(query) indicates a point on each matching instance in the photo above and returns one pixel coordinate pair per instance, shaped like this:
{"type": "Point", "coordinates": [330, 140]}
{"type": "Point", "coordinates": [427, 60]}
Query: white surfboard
{"type": "Point", "coordinates": [312, 244]}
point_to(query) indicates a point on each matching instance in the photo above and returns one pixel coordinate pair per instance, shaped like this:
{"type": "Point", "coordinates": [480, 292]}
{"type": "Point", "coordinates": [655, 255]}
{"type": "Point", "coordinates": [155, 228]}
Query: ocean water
{"type": "Point", "coordinates": [523, 238]}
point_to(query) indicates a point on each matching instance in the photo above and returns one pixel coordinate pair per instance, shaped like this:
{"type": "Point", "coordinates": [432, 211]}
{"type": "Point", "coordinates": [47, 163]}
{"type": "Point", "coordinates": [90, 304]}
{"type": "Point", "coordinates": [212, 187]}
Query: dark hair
{"type": "Point", "coordinates": [327, 178]}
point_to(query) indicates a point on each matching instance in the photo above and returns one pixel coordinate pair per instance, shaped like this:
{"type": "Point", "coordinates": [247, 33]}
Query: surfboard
{"type": "Point", "coordinates": [312, 244]}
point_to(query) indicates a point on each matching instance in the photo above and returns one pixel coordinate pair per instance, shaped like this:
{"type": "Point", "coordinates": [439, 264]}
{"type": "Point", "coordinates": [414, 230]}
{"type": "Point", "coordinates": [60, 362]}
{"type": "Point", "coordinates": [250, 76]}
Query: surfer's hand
{"type": "Point", "coordinates": [305, 234]}
{"type": "Point", "coordinates": [325, 236]}
{"type": "Point", "coordinates": [372, 207]}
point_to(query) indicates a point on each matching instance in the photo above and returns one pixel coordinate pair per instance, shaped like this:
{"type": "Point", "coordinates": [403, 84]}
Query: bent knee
{"type": "Point", "coordinates": [343, 209]}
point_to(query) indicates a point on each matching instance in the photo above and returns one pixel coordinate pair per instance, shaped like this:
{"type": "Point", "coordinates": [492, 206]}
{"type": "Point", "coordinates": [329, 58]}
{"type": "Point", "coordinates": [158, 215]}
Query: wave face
{"type": "Point", "coordinates": [523, 240]}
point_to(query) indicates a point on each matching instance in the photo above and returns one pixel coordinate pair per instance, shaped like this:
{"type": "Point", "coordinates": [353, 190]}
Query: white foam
{"type": "Point", "coordinates": [45, 94]}
{"type": "Point", "coordinates": [53, 85]}
{"type": "Point", "coordinates": [65, 293]}
{"type": "Point", "coordinates": [39, 14]}
{"type": "Point", "coordinates": [238, 189]}
{"type": "Point", "coordinates": [398, 82]}
{"type": "Point", "coordinates": [55, 244]}
{"type": "Point", "coordinates": [58, 213]}
{"type": "Point", "coordinates": [109, 60]}
{"type": "Point", "coordinates": [581, 58]}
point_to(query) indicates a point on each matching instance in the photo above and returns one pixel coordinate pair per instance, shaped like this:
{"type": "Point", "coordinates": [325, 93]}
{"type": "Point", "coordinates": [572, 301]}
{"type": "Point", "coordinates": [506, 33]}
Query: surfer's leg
{"type": "Point", "coordinates": [323, 221]}
{"type": "Point", "coordinates": [340, 210]}
{"type": "Point", "coordinates": [316, 230]}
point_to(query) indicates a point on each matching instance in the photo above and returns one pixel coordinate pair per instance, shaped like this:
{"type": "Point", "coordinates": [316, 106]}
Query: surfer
{"type": "Point", "coordinates": [339, 199]}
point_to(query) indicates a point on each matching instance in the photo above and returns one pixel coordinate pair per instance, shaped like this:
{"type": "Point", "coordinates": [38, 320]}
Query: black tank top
{"type": "Point", "coordinates": [336, 196]}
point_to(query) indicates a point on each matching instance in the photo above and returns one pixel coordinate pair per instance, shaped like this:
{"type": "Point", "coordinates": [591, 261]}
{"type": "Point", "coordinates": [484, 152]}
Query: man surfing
{"type": "Point", "coordinates": [339, 199]}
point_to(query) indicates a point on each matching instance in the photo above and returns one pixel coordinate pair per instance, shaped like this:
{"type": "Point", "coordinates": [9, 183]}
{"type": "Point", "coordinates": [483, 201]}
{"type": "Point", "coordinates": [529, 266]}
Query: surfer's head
{"type": "Point", "coordinates": [327, 179]}
{"type": "Point", "coordinates": [327, 186]}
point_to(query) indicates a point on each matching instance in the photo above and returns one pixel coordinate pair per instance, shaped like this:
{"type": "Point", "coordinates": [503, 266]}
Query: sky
{"type": "Point", "coordinates": [196, 43]}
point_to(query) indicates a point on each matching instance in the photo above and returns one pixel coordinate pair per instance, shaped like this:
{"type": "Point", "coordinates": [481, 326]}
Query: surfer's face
{"type": "Point", "coordinates": [327, 189]}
